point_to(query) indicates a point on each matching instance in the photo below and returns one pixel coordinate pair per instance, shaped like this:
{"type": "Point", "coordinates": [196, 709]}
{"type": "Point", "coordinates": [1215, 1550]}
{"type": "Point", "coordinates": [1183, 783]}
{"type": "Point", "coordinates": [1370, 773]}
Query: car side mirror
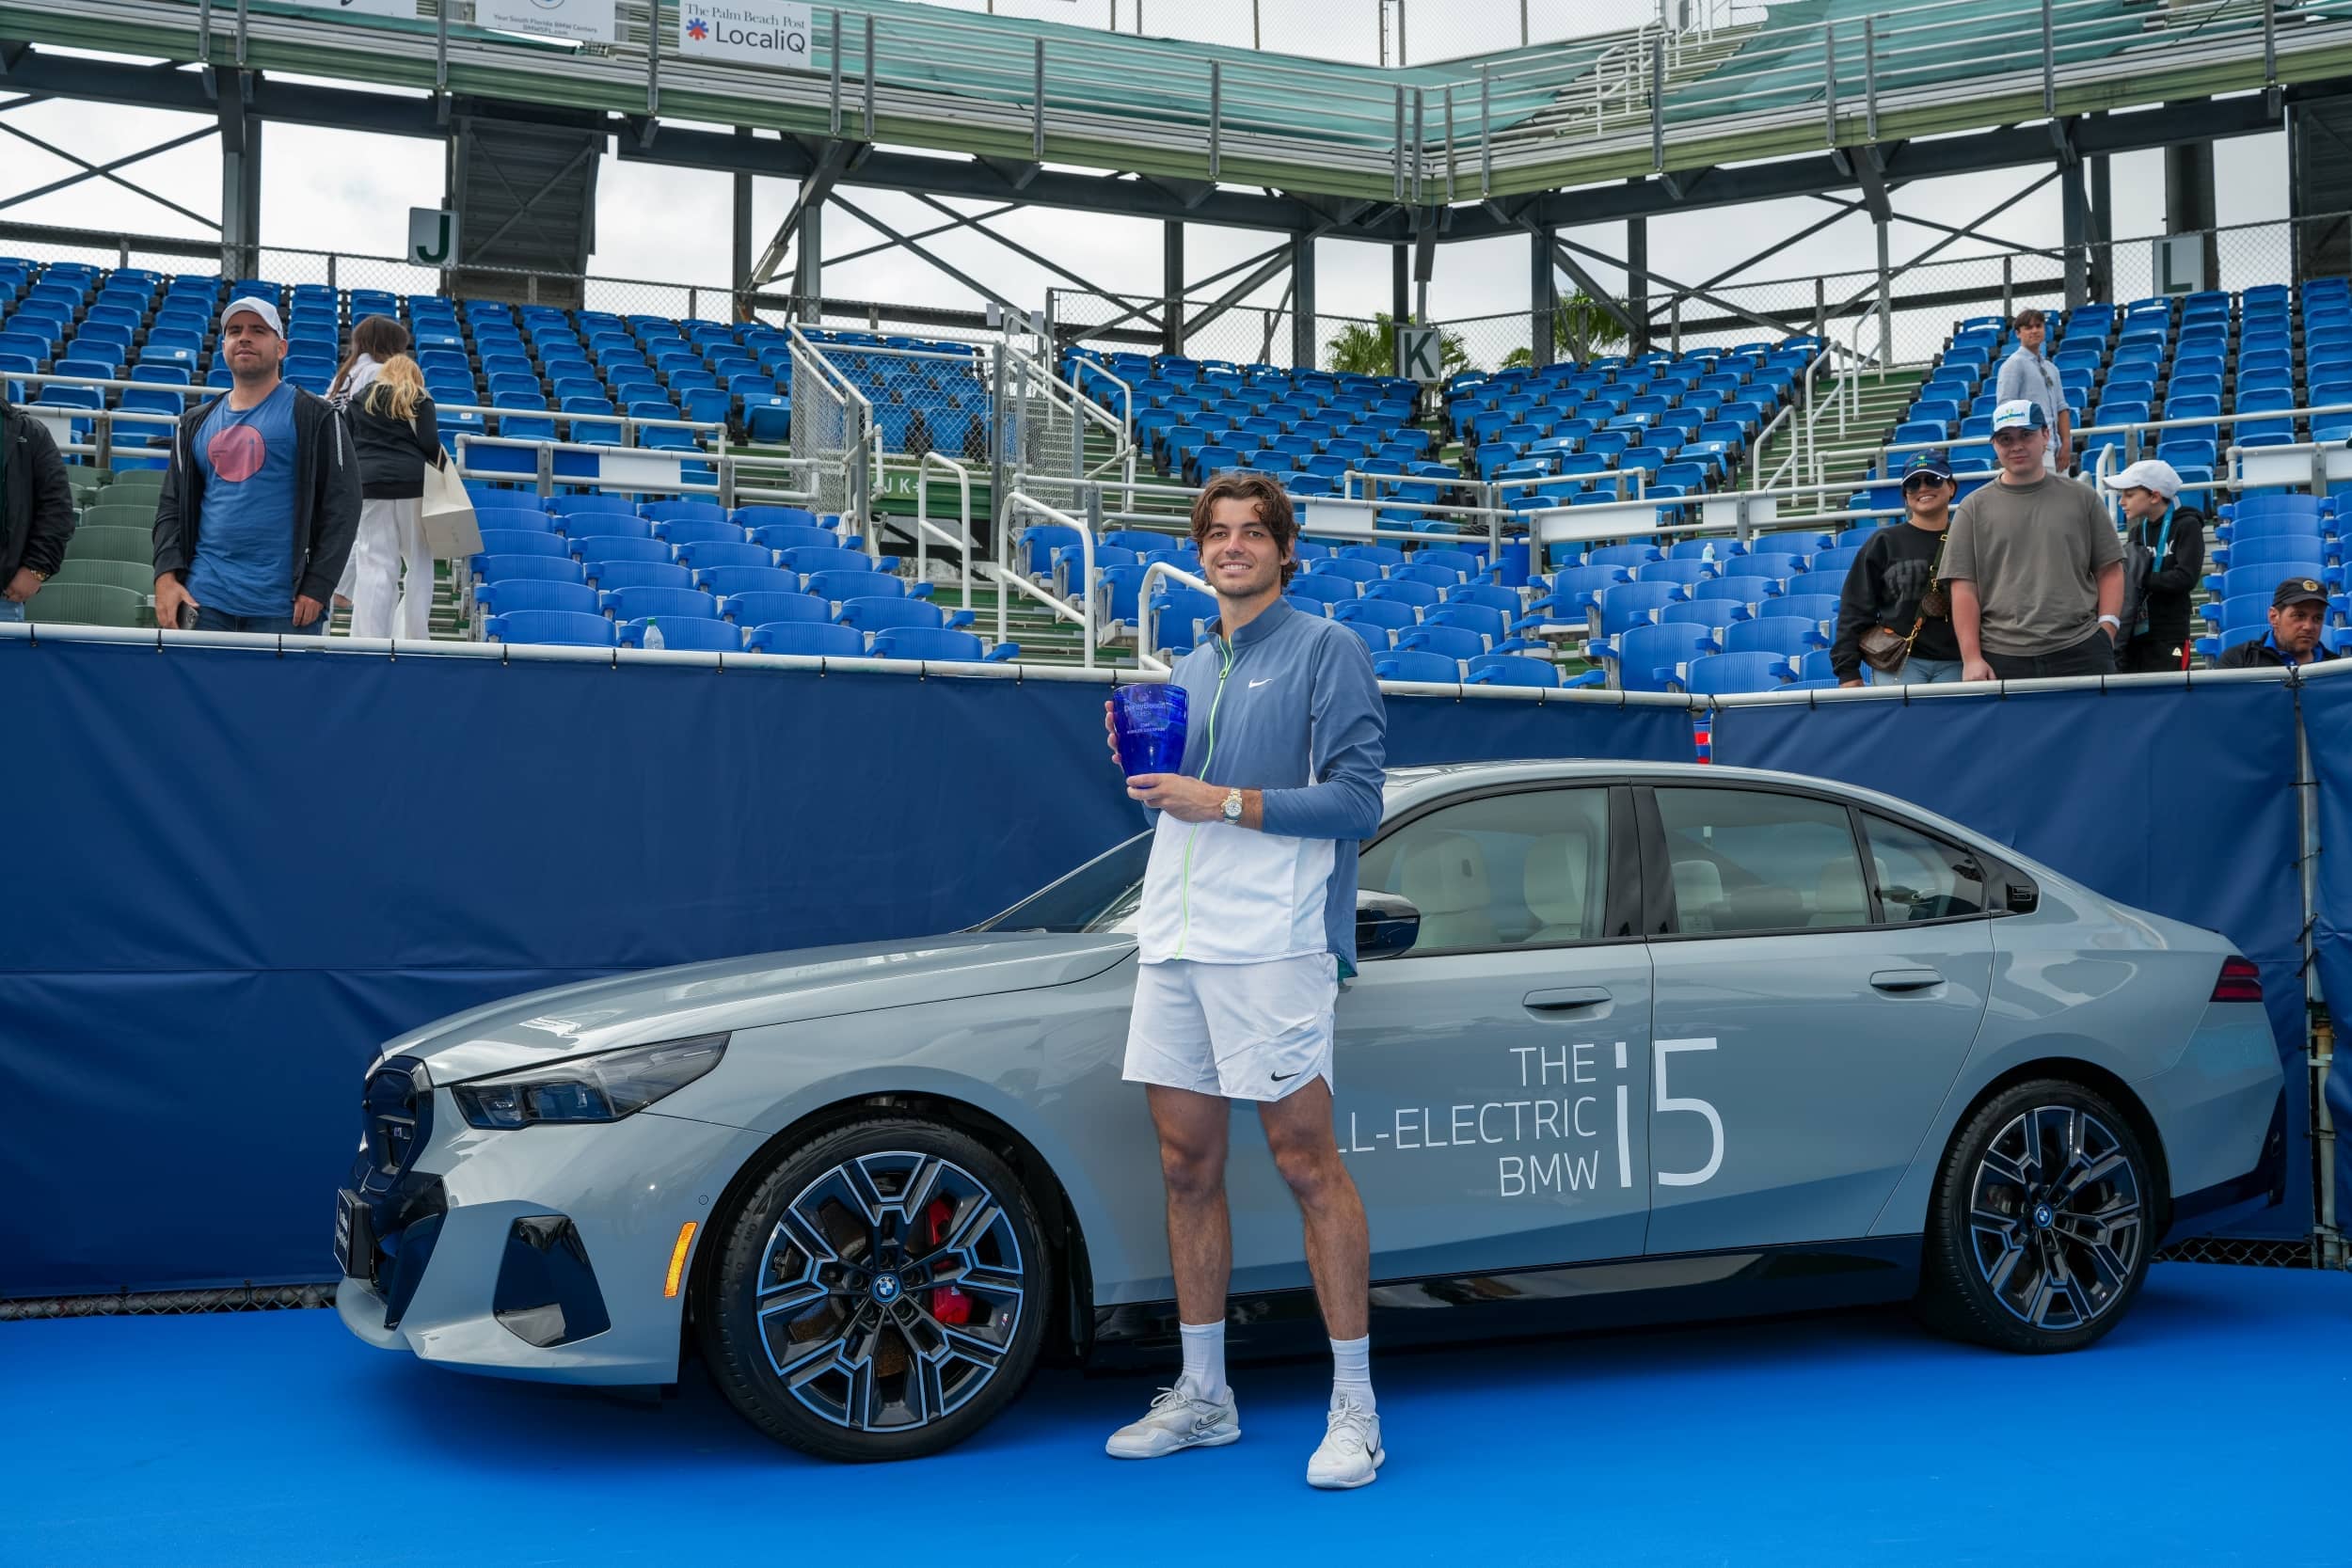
{"type": "Point", "coordinates": [2024, 899]}
{"type": "Point", "coordinates": [1385, 924]}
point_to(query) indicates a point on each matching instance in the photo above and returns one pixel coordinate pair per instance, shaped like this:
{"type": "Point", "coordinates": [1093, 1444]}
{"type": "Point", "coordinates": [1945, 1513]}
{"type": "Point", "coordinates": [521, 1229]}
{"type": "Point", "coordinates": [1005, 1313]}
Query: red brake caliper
{"type": "Point", "coordinates": [948, 1304]}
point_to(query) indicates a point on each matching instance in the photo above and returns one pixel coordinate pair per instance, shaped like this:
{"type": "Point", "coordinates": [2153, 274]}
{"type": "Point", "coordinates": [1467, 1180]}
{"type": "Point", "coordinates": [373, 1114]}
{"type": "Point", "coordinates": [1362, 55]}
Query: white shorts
{"type": "Point", "coordinates": [1243, 1031]}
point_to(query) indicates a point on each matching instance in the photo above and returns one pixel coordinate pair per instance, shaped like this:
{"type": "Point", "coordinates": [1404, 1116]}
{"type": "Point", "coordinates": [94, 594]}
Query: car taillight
{"type": "Point", "coordinates": [2240, 981]}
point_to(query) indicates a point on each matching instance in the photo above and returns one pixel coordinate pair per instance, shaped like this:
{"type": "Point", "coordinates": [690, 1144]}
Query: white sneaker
{"type": "Point", "coordinates": [1177, 1420]}
{"type": "Point", "coordinates": [1350, 1454]}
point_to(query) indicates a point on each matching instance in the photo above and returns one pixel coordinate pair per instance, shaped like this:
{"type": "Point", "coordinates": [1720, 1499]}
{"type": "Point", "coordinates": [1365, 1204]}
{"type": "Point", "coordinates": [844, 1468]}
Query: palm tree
{"type": "Point", "coordinates": [1368, 348]}
{"type": "Point", "coordinates": [1581, 326]}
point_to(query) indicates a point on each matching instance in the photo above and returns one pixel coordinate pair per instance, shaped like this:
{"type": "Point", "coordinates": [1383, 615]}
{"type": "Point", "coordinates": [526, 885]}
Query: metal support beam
{"type": "Point", "coordinates": [1400, 285]}
{"type": "Point", "coordinates": [1543, 296]}
{"type": "Point", "coordinates": [1966, 230]}
{"type": "Point", "coordinates": [1886, 299]}
{"type": "Point", "coordinates": [2075, 225]}
{"type": "Point", "coordinates": [739, 252]}
{"type": "Point", "coordinates": [2102, 229]}
{"type": "Point", "coordinates": [1637, 282]}
{"type": "Point", "coordinates": [1592, 288]}
{"type": "Point", "coordinates": [808, 270]}
{"type": "Point", "coordinates": [106, 171]}
{"type": "Point", "coordinates": [1172, 285]}
{"type": "Point", "coordinates": [2188, 201]}
{"type": "Point", "coordinates": [1269, 266]}
{"type": "Point", "coordinates": [240, 177]}
{"type": "Point", "coordinates": [978, 222]}
{"type": "Point", "coordinates": [1018, 312]}
{"type": "Point", "coordinates": [815, 186]}
{"type": "Point", "coordinates": [1305, 341]}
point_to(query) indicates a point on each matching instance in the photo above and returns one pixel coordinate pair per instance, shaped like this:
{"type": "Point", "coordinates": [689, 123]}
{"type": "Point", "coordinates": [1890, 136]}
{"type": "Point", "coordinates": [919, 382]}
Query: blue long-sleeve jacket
{"type": "Point", "coordinates": [1289, 707]}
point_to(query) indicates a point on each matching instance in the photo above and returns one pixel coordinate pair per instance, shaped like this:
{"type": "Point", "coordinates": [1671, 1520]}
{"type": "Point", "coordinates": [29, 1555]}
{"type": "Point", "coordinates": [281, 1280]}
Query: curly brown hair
{"type": "Point", "coordinates": [1274, 511]}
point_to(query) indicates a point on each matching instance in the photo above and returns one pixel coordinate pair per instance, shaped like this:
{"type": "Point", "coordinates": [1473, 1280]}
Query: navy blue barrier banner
{"type": "Point", "coordinates": [2179, 799]}
{"type": "Point", "coordinates": [233, 873]}
{"type": "Point", "coordinates": [2327, 730]}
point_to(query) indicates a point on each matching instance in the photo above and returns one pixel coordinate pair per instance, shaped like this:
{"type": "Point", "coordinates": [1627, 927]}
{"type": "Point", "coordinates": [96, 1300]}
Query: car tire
{"type": "Point", "coordinates": [2042, 1223]}
{"type": "Point", "coordinates": [880, 1293]}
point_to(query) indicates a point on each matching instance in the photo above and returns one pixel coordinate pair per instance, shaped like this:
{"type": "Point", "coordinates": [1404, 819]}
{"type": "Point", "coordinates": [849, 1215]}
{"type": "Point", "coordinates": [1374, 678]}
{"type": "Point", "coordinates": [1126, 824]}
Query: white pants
{"type": "Point", "coordinates": [1243, 1031]}
{"type": "Point", "coordinates": [391, 534]}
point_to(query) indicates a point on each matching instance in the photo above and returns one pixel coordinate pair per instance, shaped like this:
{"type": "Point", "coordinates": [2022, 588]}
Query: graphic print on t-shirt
{"type": "Point", "coordinates": [237, 452]}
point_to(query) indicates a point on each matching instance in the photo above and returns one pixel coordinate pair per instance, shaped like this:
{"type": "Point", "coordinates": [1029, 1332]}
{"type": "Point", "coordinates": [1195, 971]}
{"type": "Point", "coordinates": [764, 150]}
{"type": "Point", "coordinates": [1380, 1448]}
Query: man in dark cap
{"type": "Point", "coordinates": [2296, 611]}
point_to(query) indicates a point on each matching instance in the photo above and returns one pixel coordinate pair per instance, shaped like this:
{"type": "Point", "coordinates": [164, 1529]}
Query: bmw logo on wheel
{"type": "Point", "coordinates": [886, 1288]}
{"type": "Point", "coordinates": [2041, 1216]}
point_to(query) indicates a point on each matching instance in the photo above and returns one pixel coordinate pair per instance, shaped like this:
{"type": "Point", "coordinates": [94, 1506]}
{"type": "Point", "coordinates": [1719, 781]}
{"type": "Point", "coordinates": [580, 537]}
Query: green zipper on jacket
{"type": "Point", "coordinates": [1225, 667]}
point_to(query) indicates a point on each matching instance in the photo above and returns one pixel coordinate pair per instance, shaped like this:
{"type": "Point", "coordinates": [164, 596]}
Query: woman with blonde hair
{"type": "Point", "coordinates": [396, 434]}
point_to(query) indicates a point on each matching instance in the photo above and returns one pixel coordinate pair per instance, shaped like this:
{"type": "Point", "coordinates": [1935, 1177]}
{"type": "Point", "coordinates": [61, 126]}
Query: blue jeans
{"type": "Point", "coordinates": [209, 619]}
{"type": "Point", "coordinates": [11, 610]}
{"type": "Point", "coordinates": [1919, 672]}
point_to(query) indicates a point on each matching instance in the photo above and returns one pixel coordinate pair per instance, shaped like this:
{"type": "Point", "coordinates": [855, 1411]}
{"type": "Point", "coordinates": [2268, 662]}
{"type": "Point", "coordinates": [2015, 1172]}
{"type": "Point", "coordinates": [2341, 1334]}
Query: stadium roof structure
{"type": "Point", "coordinates": [1487, 145]}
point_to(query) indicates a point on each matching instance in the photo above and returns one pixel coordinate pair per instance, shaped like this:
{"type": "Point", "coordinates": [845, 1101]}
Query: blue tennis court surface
{"type": "Point", "coordinates": [274, 1438]}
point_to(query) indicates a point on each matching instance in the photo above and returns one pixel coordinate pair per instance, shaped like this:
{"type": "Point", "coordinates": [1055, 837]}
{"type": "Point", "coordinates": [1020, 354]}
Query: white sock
{"type": "Point", "coordinates": [1351, 1371]}
{"type": "Point", "coordinates": [1204, 1360]}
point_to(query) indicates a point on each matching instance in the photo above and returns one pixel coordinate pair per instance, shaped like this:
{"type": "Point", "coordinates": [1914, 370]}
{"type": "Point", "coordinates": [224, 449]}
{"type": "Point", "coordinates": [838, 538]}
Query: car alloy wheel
{"type": "Point", "coordinates": [2055, 1218]}
{"type": "Point", "coordinates": [890, 1291]}
{"type": "Point", "coordinates": [880, 1290]}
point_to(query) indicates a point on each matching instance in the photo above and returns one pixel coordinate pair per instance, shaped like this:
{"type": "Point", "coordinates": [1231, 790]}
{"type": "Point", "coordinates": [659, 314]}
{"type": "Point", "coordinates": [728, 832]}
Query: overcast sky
{"type": "Point", "coordinates": [351, 193]}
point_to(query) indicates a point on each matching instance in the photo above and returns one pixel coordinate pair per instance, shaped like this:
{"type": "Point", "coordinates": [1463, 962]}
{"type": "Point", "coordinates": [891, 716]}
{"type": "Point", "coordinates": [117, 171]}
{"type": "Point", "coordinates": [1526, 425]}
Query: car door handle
{"type": "Point", "coordinates": [1569, 999]}
{"type": "Point", "coordinates": [1905, 979]}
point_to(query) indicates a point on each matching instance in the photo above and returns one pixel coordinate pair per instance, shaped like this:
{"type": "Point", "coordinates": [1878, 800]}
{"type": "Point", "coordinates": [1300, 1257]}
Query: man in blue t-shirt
{"type": "Point", "coordinates": [260, 502]}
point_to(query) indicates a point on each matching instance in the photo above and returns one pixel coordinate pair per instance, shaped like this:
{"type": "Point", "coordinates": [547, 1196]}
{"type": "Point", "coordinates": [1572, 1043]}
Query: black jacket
{"type": "Point", "coordinates": [2260, 654]}
{"type": "Point", "coordinates": [36, 501]}
{"type": "Point", "coordinates": [326, 497]}
{"type": "Point", "coordinates": [2172, 582]}
{"type": "Point", "coordinates": [1882, 589]}
{"type": "Point", "coordinates": [392, 452]}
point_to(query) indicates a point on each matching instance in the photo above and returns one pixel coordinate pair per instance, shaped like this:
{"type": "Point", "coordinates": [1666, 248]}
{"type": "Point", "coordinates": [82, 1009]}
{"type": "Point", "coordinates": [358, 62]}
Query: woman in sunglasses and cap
{"type": "Point", "coordinates": [2165, 543]}
{"type": "Point", "coordinates": [1894, 617]}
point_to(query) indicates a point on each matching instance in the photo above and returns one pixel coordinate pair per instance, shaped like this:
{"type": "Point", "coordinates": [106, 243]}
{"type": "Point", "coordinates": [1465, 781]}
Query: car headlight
{"type": "Point", "coordinates": [603, 1087]}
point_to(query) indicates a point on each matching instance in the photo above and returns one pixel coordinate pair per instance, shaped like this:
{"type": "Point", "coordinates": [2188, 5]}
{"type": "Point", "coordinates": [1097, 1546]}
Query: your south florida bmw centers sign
{"type": "Point", "coordinates": [750, 32]}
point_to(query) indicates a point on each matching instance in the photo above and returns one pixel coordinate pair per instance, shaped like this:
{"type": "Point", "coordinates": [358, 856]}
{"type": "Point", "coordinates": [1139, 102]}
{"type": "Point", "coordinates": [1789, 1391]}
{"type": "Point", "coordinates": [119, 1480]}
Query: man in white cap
{"type": "Point", "coordinates": [261, 500]}
{"type": "Point", "coordinates": [2035, 567]}
{"type": "Point", "coordinates": [2164, 555]}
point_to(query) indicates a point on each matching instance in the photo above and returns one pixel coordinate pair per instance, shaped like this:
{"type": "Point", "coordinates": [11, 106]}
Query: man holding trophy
{"type": "Point", "coordinates": [1260, 765]}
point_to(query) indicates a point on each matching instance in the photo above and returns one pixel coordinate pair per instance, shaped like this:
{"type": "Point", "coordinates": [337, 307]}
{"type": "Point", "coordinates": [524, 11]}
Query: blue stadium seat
{"type": "Point", "coordinates": [1177, 609]}
{"type": "Point", "coordinates": [697, 554]}
{"type": "Point", "coordinates": [1448, 641]}
{"type": "Point", "coordinates": [940, 645]}
{"type": "Point", "coordinates": [559, 627]}
{"type": "Point", "coordinates": [760, 607]}
{"type": "Point", "coordinates": [762, 516]}
{"type": "Point", "coordinates": [1649, 658]}
{"type": "Point", "coordinates": [703, 634]}
{"type": "Point", "coordinates": [1784, 636]}
{"type": "Point", "coordinates": [723, 581]}
{"type": "Point", "coordinates": [1821, 607]}
{"type": "Point", "coordinates": [852, 584]}
{"type": "Point", "coordinates": [1727, 674]}
{"type": "Point", "coordinates": [608, 576]}
{"type": "Point", "coordinates": [1413, 665]}
{"type": "Point", "coordinates": [806, 639]}
{"type": "Point", "coordinates": [669, 604]}
{"type": "Point", "coordinates": [697, 532]}
{"type": "Point", "coordinates": [518, 594]}
{"type": "Point", "coordinates": [793, 536]}
{"type": "Point", "coordinates": [539, 568]}
{"type": "Point", "coordinates": [1512, 669]}
{"type": "Point", "coordinates": [506, 541]}
{"type": "Point", "coordinates": [604, 547]}
{"type": "Point", "coordinates": [879, 614]}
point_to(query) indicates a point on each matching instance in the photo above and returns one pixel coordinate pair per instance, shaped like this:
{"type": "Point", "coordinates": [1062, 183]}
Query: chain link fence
{"type": "Point", "coordinates": [829, 428]}
{"type": "Point", "coordinates": [161, 1303]}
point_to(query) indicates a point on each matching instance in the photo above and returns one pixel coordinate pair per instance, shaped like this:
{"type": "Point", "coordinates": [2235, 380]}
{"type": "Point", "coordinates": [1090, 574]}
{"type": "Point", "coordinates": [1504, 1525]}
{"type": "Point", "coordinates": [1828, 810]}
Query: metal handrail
{"type": "Point", "coordinates": [1019, 502]}
{"type": "Point", "coordinates": [924, 530]}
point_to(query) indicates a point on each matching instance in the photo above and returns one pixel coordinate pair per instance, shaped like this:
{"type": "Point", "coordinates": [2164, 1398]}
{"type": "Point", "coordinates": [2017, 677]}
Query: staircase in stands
{"type": "Point", "coordinates": [1856, 416]}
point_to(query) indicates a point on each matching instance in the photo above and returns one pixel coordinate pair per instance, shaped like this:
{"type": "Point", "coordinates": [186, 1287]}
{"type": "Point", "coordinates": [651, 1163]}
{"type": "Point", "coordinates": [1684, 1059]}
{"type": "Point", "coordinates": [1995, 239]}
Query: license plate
{"type": "Point", "coordinates": [354, 1239]}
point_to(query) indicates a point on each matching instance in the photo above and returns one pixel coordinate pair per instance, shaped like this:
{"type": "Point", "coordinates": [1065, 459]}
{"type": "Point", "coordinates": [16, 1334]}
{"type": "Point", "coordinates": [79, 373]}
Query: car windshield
{"type": "Point", "coordinates": [1100, 895]}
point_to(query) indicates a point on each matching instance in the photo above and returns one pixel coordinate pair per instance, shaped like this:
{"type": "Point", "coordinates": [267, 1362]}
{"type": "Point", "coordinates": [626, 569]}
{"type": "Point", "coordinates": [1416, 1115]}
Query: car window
{"type": "Point", "coordinates": [1101, 895]}
{"type": "Point", "coordinates": [1920, 878]}
{"type": "Point", "coordinates": [1524, 869]}
{"type": "Point", "coordinates": [1754, 860]}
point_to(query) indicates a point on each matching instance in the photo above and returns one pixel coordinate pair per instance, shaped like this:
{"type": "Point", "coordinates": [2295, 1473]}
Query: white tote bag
{"type": "Point", "coordinates": [451, 532]}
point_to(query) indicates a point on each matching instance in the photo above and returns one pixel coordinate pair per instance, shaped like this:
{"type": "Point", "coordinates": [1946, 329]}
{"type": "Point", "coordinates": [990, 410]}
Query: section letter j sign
{"type": "Point", "coordinates": [432, 236]}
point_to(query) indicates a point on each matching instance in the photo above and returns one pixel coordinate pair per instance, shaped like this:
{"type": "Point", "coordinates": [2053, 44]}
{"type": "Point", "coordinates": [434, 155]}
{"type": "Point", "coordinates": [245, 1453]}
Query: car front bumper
{"type": "Point", "coordinates": [540, 1253]}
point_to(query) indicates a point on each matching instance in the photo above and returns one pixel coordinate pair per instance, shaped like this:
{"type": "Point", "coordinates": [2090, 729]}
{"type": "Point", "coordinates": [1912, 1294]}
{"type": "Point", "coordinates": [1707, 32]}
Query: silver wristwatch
{"type": "Point", "coordinates": [1232, 806]}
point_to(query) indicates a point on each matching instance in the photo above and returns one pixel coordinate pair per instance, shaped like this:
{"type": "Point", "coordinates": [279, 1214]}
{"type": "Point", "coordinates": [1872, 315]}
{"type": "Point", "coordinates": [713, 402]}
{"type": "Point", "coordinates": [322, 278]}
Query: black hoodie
{"type": "Point", "coordinates": [1882, 589]}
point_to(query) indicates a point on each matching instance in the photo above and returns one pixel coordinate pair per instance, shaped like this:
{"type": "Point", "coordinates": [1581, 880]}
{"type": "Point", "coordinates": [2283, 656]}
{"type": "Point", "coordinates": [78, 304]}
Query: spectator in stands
{"type": "Point", "coordinates": [395, 434]}
{"type": "Point", "coordinates": [2035, 567]}
{"type": "Point", "coordinates": [373, 339]}
{"type": "Point", "coordinates": [2165, 541]}
{"type": "Point", "coordinates": [2028, 374]}
{"type": "Point", "coordinates": [1247, 924]}
{"type": "Point", "coordinates": [36, 509]}
{"type": "Point", "coordinates": [2297, 611]}
{"type": "Point", "coordinates": [1892, 586]}
{"type": "Point", "coordinates": [261, 498]}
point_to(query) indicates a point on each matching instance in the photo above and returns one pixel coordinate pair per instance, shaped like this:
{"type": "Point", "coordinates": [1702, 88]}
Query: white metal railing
{"type": "Point", "coordinates": [1148, 614]}
{"type": "Point", "coordinates": [926, 530]}
{"type": "Point", "coordinates": [1009, 574]}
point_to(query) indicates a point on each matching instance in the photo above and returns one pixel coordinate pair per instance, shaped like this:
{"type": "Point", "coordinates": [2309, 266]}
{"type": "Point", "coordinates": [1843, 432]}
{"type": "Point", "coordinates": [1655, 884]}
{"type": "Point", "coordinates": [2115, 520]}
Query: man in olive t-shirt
{"type": "Point", "coordinates": [2035, 566]}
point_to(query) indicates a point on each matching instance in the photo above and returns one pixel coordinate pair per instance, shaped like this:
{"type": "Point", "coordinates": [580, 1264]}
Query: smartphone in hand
{"type": "Point", "coordinates": [187, 615]}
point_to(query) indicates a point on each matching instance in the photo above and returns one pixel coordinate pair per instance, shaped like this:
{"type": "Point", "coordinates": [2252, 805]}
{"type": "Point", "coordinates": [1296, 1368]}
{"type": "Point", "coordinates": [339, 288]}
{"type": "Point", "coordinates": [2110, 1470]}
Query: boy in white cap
{"type": "Point", "coordinates": [2035, 567]}
{"type": "Point", "coordinates": [261, 500]}
{"type": "Point", "coordinates": [2164, 542]}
